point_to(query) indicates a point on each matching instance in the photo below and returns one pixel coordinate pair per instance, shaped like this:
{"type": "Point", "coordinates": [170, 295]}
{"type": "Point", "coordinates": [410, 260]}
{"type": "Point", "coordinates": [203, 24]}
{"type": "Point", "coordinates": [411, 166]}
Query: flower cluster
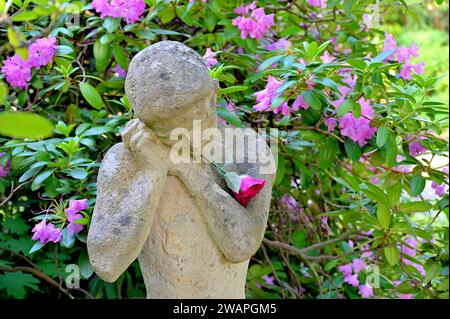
{"type": "Point", "coordinates": [209, 58]}
{"type": "Point", "coordinates": [299, 103]}
{"type": "Point", "coordinates": [118, 71]}
{"type": "Point", "coordinates": [326, 57]}
{"type": "Point", "coordinates": [41, 52]}
{"type": "Point", "coordinates": [254, 26]}
{"type": "Point", "coordinates": [358, 129]}
{"type": "Point", "coordinates": [75, 206]}
{"type": "Point", "coordinates": [345, 90]}
{"type": "Point", "coordinates": [410, 249]}
{"type": "Point", "coordinates": [318, 3]}
{"type": "Point", "coordinates": [47, 232]}
{"type": "Point", "coordinates": [440, 189]}
{"type": "Point", "coordinates": [4, 169]}
{"type": "Point", "coordinates": [330, 122]}
{"type": "Point", "coordinates": [265, 97]}
{"type": "Point", "coordinates": [351, 273]}
{"type": "Point", "coordinates": [281, 44]}
{"type": "Point", "coordinates": [130, 10]}
{"type": "Point", "coordinates": [414, 146]}
{"type": "Point", "coordinates": [18, 71]}
{"type": "Point", "coordinates": [403, 55]}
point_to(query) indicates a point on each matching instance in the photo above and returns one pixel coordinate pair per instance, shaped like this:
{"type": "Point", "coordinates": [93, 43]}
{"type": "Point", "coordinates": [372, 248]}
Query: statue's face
{"type": "Point", "coordinates": [169, 86]}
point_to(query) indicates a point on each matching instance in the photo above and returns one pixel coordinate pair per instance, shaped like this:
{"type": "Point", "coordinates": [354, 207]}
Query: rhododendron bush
{"type": "Point", "coordinates": [360, 203]}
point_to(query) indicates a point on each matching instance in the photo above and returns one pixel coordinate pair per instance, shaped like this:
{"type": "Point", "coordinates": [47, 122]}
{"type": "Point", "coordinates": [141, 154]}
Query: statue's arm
{"type": "Point", "coordinates": [237, 230]}
{"type": "Point", "coordinates": [127, 197]}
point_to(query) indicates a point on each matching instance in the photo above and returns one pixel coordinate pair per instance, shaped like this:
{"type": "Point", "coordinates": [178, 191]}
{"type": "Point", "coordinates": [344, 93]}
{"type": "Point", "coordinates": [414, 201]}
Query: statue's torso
{"type": "Point", "coordinates": [180, 259]}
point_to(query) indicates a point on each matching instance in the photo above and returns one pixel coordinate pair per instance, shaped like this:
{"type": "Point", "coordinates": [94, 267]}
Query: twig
{"type": "Point", "coordinates": [302, 253]}
{"type": "Point", "coordinates": [39, 274]}
{"type": "Point", "coordinates": [20, 255]}
{"type": "Point", "coordinates": [11, 194]}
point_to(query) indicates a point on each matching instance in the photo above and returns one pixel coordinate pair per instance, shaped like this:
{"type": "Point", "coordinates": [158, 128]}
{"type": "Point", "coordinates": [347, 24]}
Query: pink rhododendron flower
{"type": "Point", "coordinates": [358, 265]}
{"type": "Point", "coordinates": [73, 227]}
{"type": "Point", "coordinates": [283, 108]}
{"type": "Point", "coordinates": [46, 232]}
{"type": "Point", "coordinates": [209, 58]}
{"type": "Point", "coordinates": [75, 206]}
{"type": "Point", "coordinates": [346, 269]}
{"type": "Point", "coordinates": [326, 57]}
{"type": "Point", "coordinates": [130, 10]}
{"type": "Point", "coordinates": [119, 72]}
{"type": "Point", "coordinates": [406, 71]}
{"type": "Point", "coordinates": [299, 103]}
{"type": "Point", "coordinates": [410, 250]}
{"type": "Point", "coordinates": [41, 52]}
{"type": "Point", "coordinates": [389, 42]}
{"type": "Point", "coordinates": [415, 148]}
{"type": "Point", "coordinates": [366, 291]}
{"type": "Point", "coordinates": [367, 254]}
{"type": "Point", "coordinates": [318, 3]}
{"type": "Point", "coordinates": [245, 9]}
{"type": "Point", "coordinates": [280, 44]}
{"type": "Point", "coordinates": [402, 168]}
{"type": "Point", "coordinates": [17, 72]}
{"type": "Point", "coordinates": [352, 280]}
{"type": "Point", "coordinates": [403, 55]}
{"type": "Point", "coordinates": [344, 90]}
{"type": "Point", "coordinates": [4, 170]}
{"type": "Point", "coordinates": [269, 280]}
{"type": "Point", "coordinates": [265, 97]}
{"type": "Point", "coordinates": [250, 187]}
{"type": "Point", "coordinates": [255, 26]}
{"type": "Point", "coordinates": [289, 202]}
{"type": "Point", "coordinates": [439, 189]}
{"type": "Point", "coordinates": [330, 122]}
{"type": "Point", "coordinates": [358, 129]}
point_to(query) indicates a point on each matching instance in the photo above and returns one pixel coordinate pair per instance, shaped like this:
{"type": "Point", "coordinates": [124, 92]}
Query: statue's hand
{"type": "Point", "coordinates": [197, 177]}
{"type": "Point", "coordinates": [145, 146]}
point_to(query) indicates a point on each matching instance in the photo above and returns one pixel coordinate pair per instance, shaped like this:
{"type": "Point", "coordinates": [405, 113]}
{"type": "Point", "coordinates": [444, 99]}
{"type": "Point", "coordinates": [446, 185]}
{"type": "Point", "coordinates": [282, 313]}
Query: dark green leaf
{"type": "Point", "coordinates": [382, 134]}
{"type": "Point", "coordinates": [417, 184]}
{"type": "Point", "coordinates": [91, 95]}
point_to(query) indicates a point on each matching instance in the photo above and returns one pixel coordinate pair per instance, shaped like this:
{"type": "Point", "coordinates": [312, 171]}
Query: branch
{"type": "Point", "coordinates": [38, 274]}
{"type": "Point", "coordinates": [13, 190]}
{"type": "Point", "coordinates": [385, 167]}
{"type": "Point", "coordinates": [302, 253]}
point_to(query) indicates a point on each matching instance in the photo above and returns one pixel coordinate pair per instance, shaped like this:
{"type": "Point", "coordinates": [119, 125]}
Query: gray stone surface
{"type": "Point", "coordinates": [192, 238]}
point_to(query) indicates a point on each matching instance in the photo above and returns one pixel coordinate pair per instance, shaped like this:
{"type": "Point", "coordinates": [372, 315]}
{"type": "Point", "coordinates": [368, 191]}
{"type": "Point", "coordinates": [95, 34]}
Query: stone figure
{"type": "Point", "coordinates": [192, 238]}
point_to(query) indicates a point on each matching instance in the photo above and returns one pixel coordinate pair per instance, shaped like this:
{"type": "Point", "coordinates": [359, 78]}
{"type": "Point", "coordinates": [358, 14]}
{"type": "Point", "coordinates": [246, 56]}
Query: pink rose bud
{"type": "Point", "coordinates": [250, 186]}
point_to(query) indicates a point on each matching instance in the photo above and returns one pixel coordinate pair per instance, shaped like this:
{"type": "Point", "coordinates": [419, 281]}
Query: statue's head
{"type": "Point", "coordinates": [168, 86]}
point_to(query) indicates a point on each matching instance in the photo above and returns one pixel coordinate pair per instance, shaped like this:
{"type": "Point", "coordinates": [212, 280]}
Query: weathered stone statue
{"type": "Point", "coordinates": [192, 238]}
